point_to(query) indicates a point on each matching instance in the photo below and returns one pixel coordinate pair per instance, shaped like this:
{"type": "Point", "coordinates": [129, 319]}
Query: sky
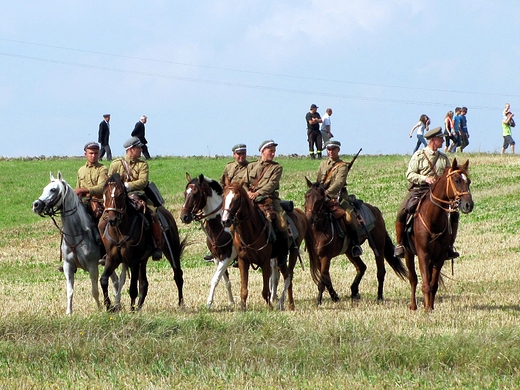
{"type": "Point", "coordinates": [211, 74]}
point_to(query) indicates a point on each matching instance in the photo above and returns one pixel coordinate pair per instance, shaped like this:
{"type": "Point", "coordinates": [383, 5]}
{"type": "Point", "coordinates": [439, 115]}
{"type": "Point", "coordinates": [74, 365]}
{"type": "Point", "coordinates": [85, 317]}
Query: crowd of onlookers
{"type": "Point", "coordinates": [456, 132]}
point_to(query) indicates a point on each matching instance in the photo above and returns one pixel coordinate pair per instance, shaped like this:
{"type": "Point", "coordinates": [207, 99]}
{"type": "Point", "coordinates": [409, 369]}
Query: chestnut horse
{"type": "Point", "coordinates": [252, 240]}
{"type": "Point", "coordinates": [128, 241]}
{"type": "Point", "coordinates": [431, 234]}
{"type": "Point", "coordinates": [330, 244]}
{"type": "Point", "coordinates": [203, 202]}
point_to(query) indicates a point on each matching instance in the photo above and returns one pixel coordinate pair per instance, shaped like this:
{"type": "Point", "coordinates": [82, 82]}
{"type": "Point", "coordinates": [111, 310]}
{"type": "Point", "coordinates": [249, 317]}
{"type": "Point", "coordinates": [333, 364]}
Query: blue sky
{"type": "Point", "coordinates": [210, 74]}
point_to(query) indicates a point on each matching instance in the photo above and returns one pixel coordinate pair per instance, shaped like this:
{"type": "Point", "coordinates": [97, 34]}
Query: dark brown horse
{"type": "Point", "coordinates": [432, 235]}
{"type": "Point", "coordinates": [330, 244]}
{"type": "Point", "coordinates": [251, 238]}
{"type": "Point", "coordinates": [127, 240]}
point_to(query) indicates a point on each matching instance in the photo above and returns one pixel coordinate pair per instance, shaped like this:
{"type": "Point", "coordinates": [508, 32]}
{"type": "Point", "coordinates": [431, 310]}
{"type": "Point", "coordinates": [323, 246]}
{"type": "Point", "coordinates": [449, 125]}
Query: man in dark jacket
{"type": "Point", "coordinates": [139, 133]}
{"type": "Point", "coordinates": [103, 136]}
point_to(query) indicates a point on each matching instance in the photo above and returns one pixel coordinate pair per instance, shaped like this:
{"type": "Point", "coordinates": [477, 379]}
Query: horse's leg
{"type": "Point", "coordinates": [435, 282]}
{"type": "Point", "coordinates": [326, 281]}
{"type": "Point", "coordinates": [68, 270]}
{"type": "Point", "coordinates": [134, 278]}
{"type": "Point", "coordinates": [118, 286]}
{"type": "Point", "coordinates": [360, 272]}
{"type": "Point", "coordinates": [244, 278]}
{"type": "Point", "coordinates": [110, 266]}
{"type": "Point", "coordinates": [93, 271]}
{"type": "Point", "coordinates": [220, 272]}
{"type": "Point", "coordinates": [426, 276]}
{"type": "Point", "coordinates": [381, 272]}
{"type": "Point", "coordinates": [179, 282]}
{"type": "Point", "coordinates": [412, 277]}
{"type": "Point", "coordinates": [288, 287]}
{"type": "Point", "coordinates": [143, 284]}
{"type": "Point", "coordinates": [274, 280]}
{"type": "Point", "coordinates": [266, 274]}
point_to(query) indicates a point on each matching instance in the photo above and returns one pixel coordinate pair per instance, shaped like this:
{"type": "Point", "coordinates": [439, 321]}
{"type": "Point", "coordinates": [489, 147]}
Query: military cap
{"type": "Point", "coordinates": [435, 132]}
{"type": "Point", "coordinates": [267, 144]}
{"type": "Point", "coordinates": [332, 144]}
{"type": "Point", "coordinates": [239, 148]}
{"type": "Point", "coordinates": [132, 142]}
{"type": "Point", "coordinates": [91, 145]}
{"type": "Point", "coordinates": [106, 116]}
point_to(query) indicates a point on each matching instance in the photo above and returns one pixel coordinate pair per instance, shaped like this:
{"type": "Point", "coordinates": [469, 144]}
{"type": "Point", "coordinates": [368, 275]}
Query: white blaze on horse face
{"type": "Point", "coordinates": [464, 177]}
{"type": "Point", "coordinates": [227, 203]}
{"type": "Point", "coordinates": [188, 193]}
{"type": "Point", "coordinates": [113, 193]}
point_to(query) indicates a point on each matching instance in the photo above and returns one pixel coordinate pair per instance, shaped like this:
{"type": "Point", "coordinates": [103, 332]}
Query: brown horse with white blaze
{"type": "Point", "coordinates": [432, 229]}
{"type": "Point", "coordinates": [252, 240]}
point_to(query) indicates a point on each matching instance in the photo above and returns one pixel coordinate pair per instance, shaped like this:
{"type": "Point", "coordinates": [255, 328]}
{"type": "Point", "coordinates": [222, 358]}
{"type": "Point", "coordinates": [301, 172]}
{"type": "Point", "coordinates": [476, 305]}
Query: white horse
{"type": "Point", "coordinates": [203, 202]}
{"type": "Point", "coordinates": [79, 248]}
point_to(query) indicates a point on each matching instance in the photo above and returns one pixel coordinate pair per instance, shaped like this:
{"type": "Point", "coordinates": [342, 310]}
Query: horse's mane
{"type": "Point", "coordinates": [214, 185]}
{"type": "Point", "coordinates": [82, 213]}
{"type": "Point", "coordinates": [115, 178]}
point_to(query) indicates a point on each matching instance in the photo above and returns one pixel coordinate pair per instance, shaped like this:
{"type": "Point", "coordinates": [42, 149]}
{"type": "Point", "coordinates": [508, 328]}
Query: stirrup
{"type": "Point", "coordinates": [103, 260]}
{"type": "Point", "coordinates": [157, 255]}
{"type": "Point", "coordinates": [356, 251]}
{"type": "Point", "coordinates": [452, 253]}
{"type": "Point", "coordinates": [399, 251]}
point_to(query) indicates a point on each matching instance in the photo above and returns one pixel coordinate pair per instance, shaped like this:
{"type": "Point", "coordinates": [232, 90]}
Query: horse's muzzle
{"type": "Point", "coordinates": [466, 206]}
{"type": "Point", "coordinates": [38, 206]}
{"type": "Point", "coordinates": [186, 217]}
{"type": "Point", "coordinates": [227, 223]}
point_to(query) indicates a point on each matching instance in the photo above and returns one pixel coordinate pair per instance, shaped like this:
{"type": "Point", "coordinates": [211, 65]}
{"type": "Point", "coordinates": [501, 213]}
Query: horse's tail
{"type": "Point", "coordinates": [395, 262]}
{"type": "Point", "coordinates": [314, 259]}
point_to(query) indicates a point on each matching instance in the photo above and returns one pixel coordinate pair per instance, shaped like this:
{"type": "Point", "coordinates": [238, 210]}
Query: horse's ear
{"type": "Point", "coordinates": [466, 165]}
{"type": "Point", "coordinates": [241, 183]}
{"type": "Point", "coordinates": [201, 178]}
{"type": "Point", "coordinates": [60, 176]}
{"type": "Point", "coordinates": [227, 182]}
{"type": "Point", "coordinates": [52, 177]}
{"type": "Point", "coordinates": [454, 164]}
{"type": "Point", "coordinates": [309, 183]}
{"type": "Point", "coordinates": [188, 177]}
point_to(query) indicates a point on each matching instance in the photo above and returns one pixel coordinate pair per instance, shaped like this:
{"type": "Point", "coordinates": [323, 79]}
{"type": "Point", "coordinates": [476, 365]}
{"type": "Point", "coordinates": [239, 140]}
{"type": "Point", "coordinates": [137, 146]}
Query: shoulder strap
{"type": "Point", "coordinates": [432, 165]}
{"type": "Point", "coordinates": [127, 169]}
{"type": "Point", "coordinates": [253, 187]}
{"type": "Point", "coordinates": [332, 170]}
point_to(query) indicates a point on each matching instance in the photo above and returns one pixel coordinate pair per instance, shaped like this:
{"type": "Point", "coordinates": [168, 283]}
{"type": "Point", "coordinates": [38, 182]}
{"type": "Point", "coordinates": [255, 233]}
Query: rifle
{"type": "Point", "coordinates": [354, 159]}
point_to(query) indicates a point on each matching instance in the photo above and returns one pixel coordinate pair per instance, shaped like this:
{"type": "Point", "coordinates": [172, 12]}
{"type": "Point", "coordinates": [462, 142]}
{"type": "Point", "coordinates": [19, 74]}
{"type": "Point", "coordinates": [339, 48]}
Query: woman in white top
{"type": "Point", "coordinates": [422, 127]}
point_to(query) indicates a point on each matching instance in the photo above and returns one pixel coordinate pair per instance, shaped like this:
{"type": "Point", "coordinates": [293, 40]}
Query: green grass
{"type": "Point", "coordinates": [470, 341]}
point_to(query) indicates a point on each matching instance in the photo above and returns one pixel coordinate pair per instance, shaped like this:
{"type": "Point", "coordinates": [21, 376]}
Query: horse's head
{"type": "Point", "coordinates": [51, 199]}
{"type": "Point", "coordinates": [115, 199]}
{"type": "Point", "coordinates": [232, 200]}
{"type": "Point", "coordinates": [195, 196]}
{"type": "Point", "coordinates": [314, 199]}
{"type": "Point", "coordinates": [460, 186]}
{"type": "Point", "coordinates": [456, 187]}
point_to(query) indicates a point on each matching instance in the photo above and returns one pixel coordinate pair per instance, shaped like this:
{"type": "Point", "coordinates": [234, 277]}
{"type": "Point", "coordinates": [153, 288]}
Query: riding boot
{"type": "Point", "coordinates": [356, 250]}
{"type": "Point", "coordinates": [95, 232]}
{"type": "Point", "coordinates": [157, 238]}
{"type": "Point", "coordinates": [399, 232]}
{"type": "Point", "coordinates": [452, 253]}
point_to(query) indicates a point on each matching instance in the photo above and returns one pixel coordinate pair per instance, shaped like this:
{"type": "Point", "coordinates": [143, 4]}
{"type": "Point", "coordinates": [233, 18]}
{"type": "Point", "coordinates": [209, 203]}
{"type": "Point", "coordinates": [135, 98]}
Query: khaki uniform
{"type": "Point", "coordinates": [136, 174]}
{"type": "Point", "coordinates": [234, 172]}
{"type": "Point", "coordinates": [270, 174]}
{"type": "Point", "coordinates": [333, 175]}
{"type": "Point", "coordinates": [419, 169]}
{"type": "Point", "coordinates": [93, 177]}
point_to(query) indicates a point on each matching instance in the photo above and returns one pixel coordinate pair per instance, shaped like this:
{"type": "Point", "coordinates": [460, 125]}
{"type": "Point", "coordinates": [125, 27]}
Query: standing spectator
{"type": "Point", "coordinates": [507, 123]}
{"type": "Point", "coordinates": [448, 129]}
{"type": "Point", "coordinates": [422, 127]}
{"type": "Point", "coordinates": [313, 120]}
{"type": "Point", "coordinates": [103, 136]}
{"type": "Point", "coordinates": [326, 135]}
{"type": "Point", "coordinates": [139, 133]}
{"type": "Point", "coordinates": [464, 134]}
{"type": "Point", "coordinates": [455, 134]}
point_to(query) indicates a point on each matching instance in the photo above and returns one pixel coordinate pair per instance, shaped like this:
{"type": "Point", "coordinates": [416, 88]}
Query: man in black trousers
{"type": "Point", "coordinates": [103, 136]}
{"type": "Point", "coordinates": [139, 133]}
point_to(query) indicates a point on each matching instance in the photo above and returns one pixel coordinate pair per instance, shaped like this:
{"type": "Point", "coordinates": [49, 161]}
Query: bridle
{"type": "Point", "coordinates": [454, 201]}
{"type": "Point", "coordinates": [196, 211]}
{"type": "Point", "coordinates": [112, 206]}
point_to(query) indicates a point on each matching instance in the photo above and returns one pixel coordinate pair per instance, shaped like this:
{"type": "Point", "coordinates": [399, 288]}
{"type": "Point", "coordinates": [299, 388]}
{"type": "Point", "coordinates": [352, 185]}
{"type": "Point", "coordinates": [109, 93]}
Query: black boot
{"type": "Point", "coordinates": [157, 237]}
{"type": "Point", "coordinates": [399, 232]}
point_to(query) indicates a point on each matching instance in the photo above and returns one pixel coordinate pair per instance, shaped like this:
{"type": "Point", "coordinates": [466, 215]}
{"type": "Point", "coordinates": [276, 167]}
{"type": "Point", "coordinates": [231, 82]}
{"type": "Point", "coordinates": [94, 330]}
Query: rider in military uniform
{"type": "Point", "coordinates": [134, 172]}
{"type": "Point", "coordinates": [235, 170]}
{"type": "Point", "coordinates": [332, 173]}
{"type": "Point", "coordinates": [262, 181]}
{"type": "Point", "coordinates": [89, 187]}
{"type": "Point", "coordinates": [424, 168]}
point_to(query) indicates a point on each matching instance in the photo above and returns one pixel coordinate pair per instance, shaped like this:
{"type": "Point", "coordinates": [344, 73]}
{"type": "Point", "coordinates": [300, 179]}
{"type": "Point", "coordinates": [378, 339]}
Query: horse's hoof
{"type": "Point", "coordinates": [356, 297]}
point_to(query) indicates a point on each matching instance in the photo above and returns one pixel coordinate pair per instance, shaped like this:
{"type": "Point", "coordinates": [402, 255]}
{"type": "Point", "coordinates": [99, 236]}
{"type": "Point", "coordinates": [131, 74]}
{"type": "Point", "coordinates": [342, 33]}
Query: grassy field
{"type": "Point", "coordinates": [471, 340]}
